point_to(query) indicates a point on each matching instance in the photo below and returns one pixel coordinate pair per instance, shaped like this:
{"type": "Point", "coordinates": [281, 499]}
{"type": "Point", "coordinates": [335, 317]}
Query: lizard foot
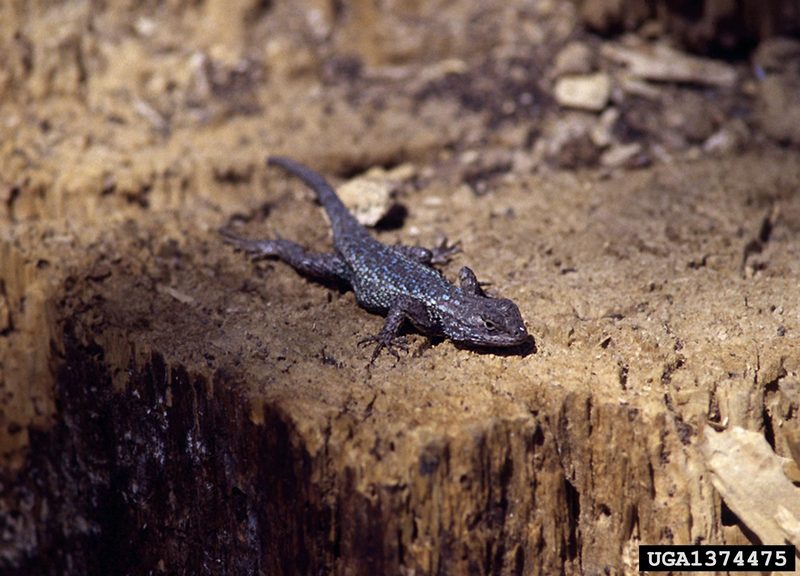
{"type": "Point", "coordinates": [381, 341]}
{"type": "Point", "coordinates": [254, 248]}
{"type": "Point", "coordinates": [443, 251]}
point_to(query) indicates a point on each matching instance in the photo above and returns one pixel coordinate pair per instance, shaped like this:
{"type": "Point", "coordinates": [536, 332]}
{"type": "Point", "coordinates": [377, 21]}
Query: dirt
{"type": "Point", "coordinates": [168, 406]}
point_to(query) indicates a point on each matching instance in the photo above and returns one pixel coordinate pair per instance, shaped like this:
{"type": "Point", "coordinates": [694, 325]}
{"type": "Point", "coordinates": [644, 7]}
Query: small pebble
{"type": "Point", "coordinates": [574, 58]}
{"type": "Point", "coordinates": [587, 92]}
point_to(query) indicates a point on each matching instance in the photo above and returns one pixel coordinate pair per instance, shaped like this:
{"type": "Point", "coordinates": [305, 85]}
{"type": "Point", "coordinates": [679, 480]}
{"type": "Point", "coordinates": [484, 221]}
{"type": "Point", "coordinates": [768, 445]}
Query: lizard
{"type": "Point", "coordinates": [396, 280]}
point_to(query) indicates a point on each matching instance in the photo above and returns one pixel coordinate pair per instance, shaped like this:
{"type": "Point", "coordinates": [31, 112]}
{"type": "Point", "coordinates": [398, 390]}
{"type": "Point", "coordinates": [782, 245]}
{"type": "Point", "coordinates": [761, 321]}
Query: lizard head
{"type": "Point", "coordinates": [483, 321]}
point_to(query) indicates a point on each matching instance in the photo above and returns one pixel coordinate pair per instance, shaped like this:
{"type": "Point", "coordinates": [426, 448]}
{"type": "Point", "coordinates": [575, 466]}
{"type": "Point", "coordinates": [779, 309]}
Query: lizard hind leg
{"type": "Point", "coordinates": [320, 266]}
{"type": "Point", "coordinates": [439, 254]}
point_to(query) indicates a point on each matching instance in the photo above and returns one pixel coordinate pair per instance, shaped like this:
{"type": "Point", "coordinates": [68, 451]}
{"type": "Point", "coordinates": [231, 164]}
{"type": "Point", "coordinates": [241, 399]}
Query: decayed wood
{"type": "Point", "coordinates": [240, 426]}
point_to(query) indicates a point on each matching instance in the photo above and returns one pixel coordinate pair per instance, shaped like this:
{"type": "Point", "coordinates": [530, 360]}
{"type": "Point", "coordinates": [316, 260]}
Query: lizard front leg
{"type": "Point", "coordinates": [469, 282]}
{"type": "Point", "coordinates": [322, 266]}
{"type": "Point", "coordinates": [404, 308]}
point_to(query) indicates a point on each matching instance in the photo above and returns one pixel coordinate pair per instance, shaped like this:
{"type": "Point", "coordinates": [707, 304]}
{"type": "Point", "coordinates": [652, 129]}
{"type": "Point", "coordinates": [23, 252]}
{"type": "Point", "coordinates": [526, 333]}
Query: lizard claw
{"type": "Point", "coordinates": [382, 341]}
{"type": "Point", "coordinates": [240, 242]}
{"type": "Point", "coordinates": [443, 251]}
{"type": "Point", "coordinates": [254, 248]}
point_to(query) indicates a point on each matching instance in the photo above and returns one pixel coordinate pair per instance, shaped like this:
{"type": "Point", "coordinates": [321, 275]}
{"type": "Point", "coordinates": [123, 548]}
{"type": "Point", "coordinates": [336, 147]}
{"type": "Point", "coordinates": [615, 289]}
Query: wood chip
{"type": "Point", "coordinates": [368, 197]}
{"type": "Point", "coordinates": [176, 294]}
{"type": "Point", "coordinates": [750, 478]}
{"type": "Point", "coordinates": [664, 64]}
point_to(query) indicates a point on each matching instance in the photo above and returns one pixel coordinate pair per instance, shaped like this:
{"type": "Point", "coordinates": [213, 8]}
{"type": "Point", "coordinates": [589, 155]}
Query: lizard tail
{"type": "Point", "coordinates": [337, 212]}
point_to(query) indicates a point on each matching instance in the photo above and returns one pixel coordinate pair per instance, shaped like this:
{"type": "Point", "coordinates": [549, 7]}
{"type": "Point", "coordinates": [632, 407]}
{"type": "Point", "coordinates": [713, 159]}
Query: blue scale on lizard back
{"type": "Point", "coordinates": [381, 274]}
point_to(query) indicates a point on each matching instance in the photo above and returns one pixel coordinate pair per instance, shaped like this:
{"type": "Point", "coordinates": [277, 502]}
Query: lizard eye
{"type": "Point", "coordinates": [489, 325]}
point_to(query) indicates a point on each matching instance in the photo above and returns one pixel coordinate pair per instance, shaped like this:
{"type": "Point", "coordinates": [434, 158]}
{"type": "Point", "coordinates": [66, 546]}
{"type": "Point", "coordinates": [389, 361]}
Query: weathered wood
{"type": "Point", "coordinates": [243, 429]}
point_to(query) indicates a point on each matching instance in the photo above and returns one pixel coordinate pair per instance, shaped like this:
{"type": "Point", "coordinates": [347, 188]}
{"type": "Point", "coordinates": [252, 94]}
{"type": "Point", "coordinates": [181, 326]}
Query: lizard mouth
{"type": "Point", "coordinates": [502, 340]}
